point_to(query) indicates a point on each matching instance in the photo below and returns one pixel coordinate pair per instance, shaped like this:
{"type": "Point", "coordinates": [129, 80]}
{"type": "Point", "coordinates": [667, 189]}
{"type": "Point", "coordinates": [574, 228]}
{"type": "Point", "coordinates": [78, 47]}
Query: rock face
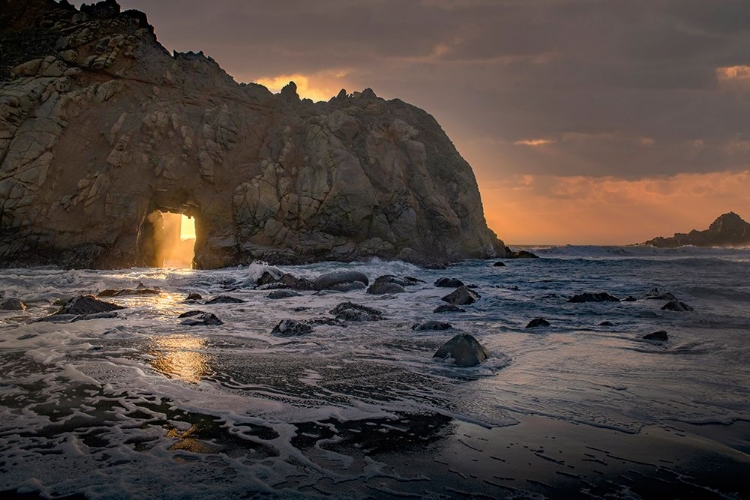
{"type": "Point", "coordinates": [101, 130]}
{"type": "Point", "coordinates": [727, 230]}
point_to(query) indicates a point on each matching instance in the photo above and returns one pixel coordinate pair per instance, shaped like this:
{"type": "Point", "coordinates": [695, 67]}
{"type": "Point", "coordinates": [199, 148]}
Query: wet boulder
{"type": "Point", "coordinates": [605, 323]}
{"type": "Point", "coordinates": [290, 328]}
{"type": "Point", "coordinates": [660, 336]}
{"type": "Point", "coordinates": [201, 319]}
{"type": "Point", "coordinates": [676, 305]}
{"type": "Point", "coordinates": [87, 304]}
{"type": "Point", "coordinates": [431, 325]}
{"type": "Point", "coordinates": [340, 280]}
{"type": "Point", "coordinates": [464, 350]}
{"type": "Point", "coordinates": [141, 289]}
{"type": "Point", "coordinates": [449, 283]}
{"type": "Point", "coordinates": [523, 254]}
{"type": "Point", "coordinates": [282, 294]}
{"type": "Point", "coordinates": [461, 296]}
{"type": "Point", "coordinates": [656, 294]}
{"type": "Point", "coordinates": [386, 284]}
{"type": "Point", "coordinates": [295, 283]}
{"type": "Point", "coordinates": [499, 263]}
{"type": "Point", "coordinates": [446, 308]}
{"type": "Point", "coordinates": [188, 314]}
{"type": "Point", "coordinates": [267, 278]}
{"type": "Point", "coordinates": [225, 299]}
{"type": "Point", "coordinates": [194, 296]}
{"type": "Point", "coordinates": [13, 304]}
{"type": "Point", "coordinates": [538, 323]}
{"type": "Point", "coordinates": [629, 298]}
{"type": "Point", "coordinates": [593, 297]}
{"type": "Point", "coordinates": [349, 311]}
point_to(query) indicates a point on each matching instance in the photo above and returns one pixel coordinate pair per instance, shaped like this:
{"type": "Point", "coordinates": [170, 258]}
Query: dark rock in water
{"type": "Point", "coordinates": [606, 323]}
{"type": "Point", "coordinates": [410, 281]}
{"type": "Point", "coordinates": [225, 299]}
{"type": "Point", "coordinates": [464, 349]}
{"type": "Point", "coordinates": [329, 281]}
{"type": "Point", "coordinates": [190, 313]}
{"type": "Point", "coordinates": [194, 296]}
{"type": "Point", "coordinates": [87, 304]}
{"type": "Point", "coordinates": [656, 294]}
{"type": "Point", "coordinates": [386, 284]}
{"type": "Point", "coordinates": [629, 298]}
{"type": "Point", "coordinates": [326, 321]}
{"type": "Point", "coordinates": [349, 311]}
{"type": "Point", "coordinates": [346, 287]}
{"type": "Point", "coordinates": [290, 328]}
{"type": "Point", "coordinates": [445, 308]}
{"type": "Point", "coordinates": [296, 283]}
{"type": "Point", "coordinates": [449, 283]}
{"type": "Point", "coordinates": [593, 297]}
{"type": "Point", "coordinates": [431, 325]}
{"type": "Point", "coordinates": [141, 289]}
{"type": "Point", "coordinates": [282, 294]}
{"type": "Point", "coordinates": [727, 230]}
{"type": "Point", "coordinates": [537, 322]}
{"type": "Point", "coordinates": [676, 305]}
{"type": "Point", "coordinates": [102, 315]}
{"type": "Point", "coordinates": [13, 304]}
{"type": "Point", "coordinates": [436, 266]}
{"type": "Point", "coordinates": [203, 318]}
{"type": "Point", "coordinates": [522, 254]}
{"type": "Point", "coordinates": [660, 336]}
{"type": "Point", "coordinates": [267, 278]}
{"type": "Point", "coordinates": [499, 264]}
{"type": "Point", "coordinates": [461, 296]}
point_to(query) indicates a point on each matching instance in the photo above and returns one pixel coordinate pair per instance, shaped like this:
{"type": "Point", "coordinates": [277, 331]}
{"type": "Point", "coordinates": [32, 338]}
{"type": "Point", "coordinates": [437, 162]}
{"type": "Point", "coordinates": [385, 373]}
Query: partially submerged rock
{"type": "Point", "coordinates": [656, 294]}
{"type": "Point", "coordinates": [349, 311]}
{"type": "Point", "coordinates": [461, 296]}
{"type": "Point", "coordinates": [676, 305]}
{"type": "Point", "coordinates": [387, 284]}
{"type": "Point", "coordinates": [593, 297]}
{"type": "Point", "coordinates": [660, 336]}
{"type": "Point", "coordinates": [188, 314]}
{"type": "Point", "coordinates": [201, 319]}
{"type": "Point", "coordinates": [282, 294]}
{"type": "Point", "coordinates": [537, 323]}
{"type": "Point", "coordinates": [431, 325]}
{"type": "Point", "coordinates": [225, 299]}
{"type": "Point", "coordinates": [523, 254]}
{"type": "Point", "coordinates": [141, 289]}
{"type": "Point", "coordinates": [290, 328]}
{"type": "Point", "coordinates": [446, 308]}
{"type": "Point", "coordinates": [194, 296]}
{"type": "Point", "coordinates": [13, 304]}
{"type": "Point", "coordinates": [87, 304]}
{"type": "Point", "coordinates": [499, 264]}
{"type": "Point", "coordinates": [448, 283]}
{"type": "Point", "coordinates": [341, 281]}
{"type": "Point", "coordinates": [464, 350]}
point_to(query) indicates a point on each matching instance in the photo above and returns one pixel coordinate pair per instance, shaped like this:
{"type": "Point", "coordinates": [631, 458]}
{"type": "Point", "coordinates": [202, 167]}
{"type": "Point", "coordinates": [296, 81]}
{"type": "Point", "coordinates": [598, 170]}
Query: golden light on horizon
{"type": "Point", "coordinates": [533, 142]}
{"type": "Point", "coordinates": [319, 87]}
{"type": "Point", "coordinates": [187, 228]}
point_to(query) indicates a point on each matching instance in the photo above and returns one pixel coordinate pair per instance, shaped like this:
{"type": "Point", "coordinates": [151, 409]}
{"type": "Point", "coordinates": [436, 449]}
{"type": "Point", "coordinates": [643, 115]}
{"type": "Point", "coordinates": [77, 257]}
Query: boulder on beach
{"type": "Point", "coordinates": [141, 289]}
{"type": "Point", "coordinates": [296, 283]}
{"type": "Point", "coordinates": [593, 297]}
{"type": "Point", "coordinates": [431, 325]}
{"type": "Point", "coordinates": [676, 305]}
{"type": "Point", "coordinates": [290, 328]}
{"type": "Point", "coordinates": [87, 304]}
{"type": "Point", "coordinates": [201, 319]}
{"type": "Point", "coordinates": [349, 311]}
{"type": "Point", "coordinates": [13, 304]}
{"type": "Point", "coordinates": [194, 296]}
{"type": "Point", "coordinates": [386, 284]}
{"type": "Point", "coordinates": [224, 299]}
{"type": "Point", "coordinates": [282, 294]}
{"type": "Point", "coordinates": [461, 296]}
{"type": "Point", "coordinates": [340, 280]}
{"type": "Point", "coordinates": [449, 283]}
{"type": "Point", "coordinates": [188, 314]}
{"type": "Point", "coordinates": [537, 323]}
{"type": "Point", "coordinates": [464, 350]}
{"type": "Point", "coordinates": [660, 336]}
{"type": "Point", "coordinates": [446, 308]}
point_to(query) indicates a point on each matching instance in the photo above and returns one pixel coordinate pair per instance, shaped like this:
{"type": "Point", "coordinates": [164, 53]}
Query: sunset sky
{"type": "Point", "coordinates": [586, 121]}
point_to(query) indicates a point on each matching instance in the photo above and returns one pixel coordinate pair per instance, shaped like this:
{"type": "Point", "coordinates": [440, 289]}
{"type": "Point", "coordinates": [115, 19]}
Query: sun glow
{"type": "Point", "coordinates": [187, 228]}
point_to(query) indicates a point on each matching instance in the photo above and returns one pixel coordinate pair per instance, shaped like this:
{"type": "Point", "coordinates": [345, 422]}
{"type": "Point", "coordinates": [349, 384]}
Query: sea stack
{"type": "Point", "coordinates": [102, 129]}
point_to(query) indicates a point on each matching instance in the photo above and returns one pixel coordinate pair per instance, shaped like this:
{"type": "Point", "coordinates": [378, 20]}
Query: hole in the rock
{"type": "Point", "coordinates": [170, 240]}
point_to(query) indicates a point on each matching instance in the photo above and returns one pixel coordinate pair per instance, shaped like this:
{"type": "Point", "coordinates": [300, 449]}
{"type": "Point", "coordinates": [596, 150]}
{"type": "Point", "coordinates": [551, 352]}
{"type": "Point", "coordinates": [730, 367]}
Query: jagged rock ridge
{"type": "Point", "coordinates": [727, 230]}
{"type": "Point", "coordinates": [100, 127]}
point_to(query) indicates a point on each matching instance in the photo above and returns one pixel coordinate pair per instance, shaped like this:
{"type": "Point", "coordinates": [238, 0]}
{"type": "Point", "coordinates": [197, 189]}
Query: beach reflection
{"type": "Point", "coordinates": [180, 357]}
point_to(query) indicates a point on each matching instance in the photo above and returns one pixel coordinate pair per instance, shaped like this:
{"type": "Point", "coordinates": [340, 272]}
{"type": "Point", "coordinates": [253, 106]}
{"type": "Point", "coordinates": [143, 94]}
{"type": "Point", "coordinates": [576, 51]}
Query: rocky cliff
{"type": "Point", "coordinates": [101, 128]}
{"type": "Point", "coordinates": [727, 230]}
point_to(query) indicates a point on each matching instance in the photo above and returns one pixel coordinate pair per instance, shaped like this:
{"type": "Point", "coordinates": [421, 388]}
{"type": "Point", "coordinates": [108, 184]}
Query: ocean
{"type": "Point", "coordinates": [142, 406]}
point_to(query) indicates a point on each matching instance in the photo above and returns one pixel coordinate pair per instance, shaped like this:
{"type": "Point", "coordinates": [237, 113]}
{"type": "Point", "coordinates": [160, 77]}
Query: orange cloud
{"type": "Point", "coordinates": [590, 210]}
{"type": "Point", "coordinates": [533, 142]}
{"type": "Point", "coordinates": [734, 78]}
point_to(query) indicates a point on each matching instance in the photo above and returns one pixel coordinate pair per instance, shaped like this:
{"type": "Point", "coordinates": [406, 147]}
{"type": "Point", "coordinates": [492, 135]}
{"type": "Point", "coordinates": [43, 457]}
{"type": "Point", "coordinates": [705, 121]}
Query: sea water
{"type": "Point", "coordinates": [140, 405]}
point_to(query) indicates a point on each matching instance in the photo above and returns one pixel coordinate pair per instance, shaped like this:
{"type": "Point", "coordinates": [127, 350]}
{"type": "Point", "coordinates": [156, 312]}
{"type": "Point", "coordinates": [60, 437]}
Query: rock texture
{"type": "Point", "coordinates": [101, 130]}
{"type": "Point", "coordinates": [726, 231]}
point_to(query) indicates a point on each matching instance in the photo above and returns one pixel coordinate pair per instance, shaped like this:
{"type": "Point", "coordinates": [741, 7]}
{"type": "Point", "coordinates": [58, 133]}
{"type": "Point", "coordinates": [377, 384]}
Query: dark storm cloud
{"type": "Point", "coordinates": [621, 88]}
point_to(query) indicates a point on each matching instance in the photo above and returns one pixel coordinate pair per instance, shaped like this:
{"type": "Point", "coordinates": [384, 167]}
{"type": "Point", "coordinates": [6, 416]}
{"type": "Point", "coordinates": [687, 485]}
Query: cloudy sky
{"type": "Point", "coordinates": [586, 121]}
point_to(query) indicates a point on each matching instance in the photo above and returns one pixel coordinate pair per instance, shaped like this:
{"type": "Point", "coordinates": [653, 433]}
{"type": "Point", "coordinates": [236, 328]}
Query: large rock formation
{"type": "Point", "coordinates": [101, 129]}
{"type": "Point", "coordinates": [726, 231]}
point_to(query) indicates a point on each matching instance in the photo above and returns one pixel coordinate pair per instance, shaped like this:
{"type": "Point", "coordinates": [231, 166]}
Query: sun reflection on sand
{"type": "Point", "coordinates": [180, 357]}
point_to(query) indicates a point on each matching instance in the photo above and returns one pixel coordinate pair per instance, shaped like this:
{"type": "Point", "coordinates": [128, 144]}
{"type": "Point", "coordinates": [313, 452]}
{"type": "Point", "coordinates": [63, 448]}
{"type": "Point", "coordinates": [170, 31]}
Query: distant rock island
{"type": "Point", "coordinates": [726, 231]}
{"type": "Point", "coordinates": [102, 129]}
